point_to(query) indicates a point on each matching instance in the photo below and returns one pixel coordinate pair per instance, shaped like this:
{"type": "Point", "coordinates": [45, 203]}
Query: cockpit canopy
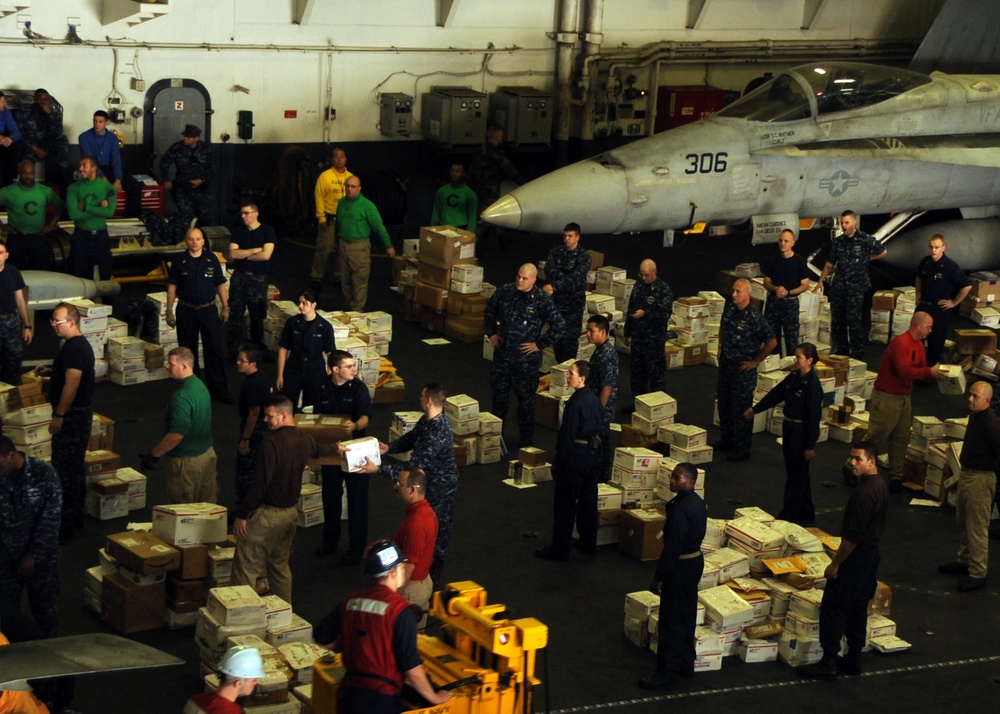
{"type": "Point", "coordinates": [823, 88]}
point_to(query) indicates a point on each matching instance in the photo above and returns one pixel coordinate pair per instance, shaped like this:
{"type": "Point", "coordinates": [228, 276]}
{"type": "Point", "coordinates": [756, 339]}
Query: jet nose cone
{"type": "Point", "coordinates": [591, 193]}
{"type": "Point", "coordinates": [505, 213]}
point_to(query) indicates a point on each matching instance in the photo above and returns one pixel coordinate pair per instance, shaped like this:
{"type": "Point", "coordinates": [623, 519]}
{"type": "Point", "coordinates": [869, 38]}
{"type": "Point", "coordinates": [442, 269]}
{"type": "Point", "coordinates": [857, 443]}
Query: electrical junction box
{"type": "Point", "coordinates": [453, 116]}
{"type": "Point", "coordinates": [396, 114]}
{"type": "Point", "coordinates": [524, 113]}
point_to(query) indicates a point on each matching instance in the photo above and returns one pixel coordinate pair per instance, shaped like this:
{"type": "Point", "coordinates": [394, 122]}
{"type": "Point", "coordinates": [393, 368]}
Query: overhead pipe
{"type": "Point", "coordinates": [566, 38]}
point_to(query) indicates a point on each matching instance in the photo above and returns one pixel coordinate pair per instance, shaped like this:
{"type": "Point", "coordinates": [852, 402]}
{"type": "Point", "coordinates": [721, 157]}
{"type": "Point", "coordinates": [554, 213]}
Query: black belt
{"type": "Point", "coordinates": [792, 421]}
{"type": "Point", "coordinates": [91, 233]}
{"type": "Point", "coordinates": [196, 307]}
{"type": "Point", "coordinates": [331, 217]}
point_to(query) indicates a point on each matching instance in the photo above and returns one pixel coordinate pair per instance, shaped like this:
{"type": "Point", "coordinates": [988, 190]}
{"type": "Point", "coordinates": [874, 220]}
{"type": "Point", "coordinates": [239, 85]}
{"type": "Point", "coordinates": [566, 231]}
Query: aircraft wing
{"type": "Point", "coordinates": [963, 150]}
{"type": "Point", "coordinates": [962, 40]}
{"type": "Point", "coordinates": [78, 654]}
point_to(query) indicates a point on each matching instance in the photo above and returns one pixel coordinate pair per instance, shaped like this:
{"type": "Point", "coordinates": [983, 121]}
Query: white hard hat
{"type": "Point", "coordinates": [242, 663]}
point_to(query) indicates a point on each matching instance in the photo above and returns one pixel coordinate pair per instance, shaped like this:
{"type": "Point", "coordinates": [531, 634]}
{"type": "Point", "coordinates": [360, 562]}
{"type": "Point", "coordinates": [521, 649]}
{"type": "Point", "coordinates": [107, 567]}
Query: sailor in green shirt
{"type": "Point", "coordinates": [26, 219]}
{"type": "Point", "coordinates": [191, 476]}
{"type": "Point", "coordinates": [357, 219]}
{"type": "Point", "coordinates": [455, 204]}
{"type": "Point", "coordinates": [90, 202]}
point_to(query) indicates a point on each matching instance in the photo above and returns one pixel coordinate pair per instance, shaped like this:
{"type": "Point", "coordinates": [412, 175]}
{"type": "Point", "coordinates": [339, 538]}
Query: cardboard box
{"type": "Point", "coordinates": [724, 607]}
{"type": "Point", "coordinates": [797, 651]}
{"type": "Point", "coordinates": [531, 456]}
{"type": "Point", "coordinates": [190, 523]}
{"type": "Point", "coordinates": [609, 498]}
{"type": "Point", "coordinates": [433, 297]}
{"type": "Point", "coordinates": [357, 451]}
{"type": "Point", "coordinates": [641, 604]}
{"type": "Point", "coordinates": [471, 305]}
{"type": "Point", "coordinates": [428, 318]}
{"type": "Point", "coordinates": [461, 407]}
{"type": "Point", "coordinates": [433, 276]}
{"type": "Point", "coordinates": [640, 533]}
{"type": "Point", "coordinates": [954, 382]}
{"type": "Point", "coordinates": [656, 405]}
{"type": "Point", "coordinates": [29, 416]}
{"type": "Point", "coordinates": [752, 650]}
{"type": "Point", "coordinates": [310, 517]}
{"type": "Point", "coordinates": [106, 499]}
{"type": "Point", "coordinates": [637, 459]}
{"type": "Point", "coordinates": [186, 591]}
{"type": "Point", "coordinates": [972, 342]}
{"type": "Point", "coordinates": [132, 608]}
{"type": "Point", "coordinates": [237, 606]}
{"type": "Point", "coordinates": [730, 562]}
{"type": "Point", "coordinates": [464, 328]}
{"type": "Point", "coordinates": [298, 631]}
{"type": "Point", "coordinates": [99, 461]}
{"type": "Point", "coordinates": [125, 347]}
{"type": "Point", "coordinates": [446, 246]}
{"type": "Point", "coordinates": [142, 552]}
{"type": "Point", "coordinates": [755, 534]}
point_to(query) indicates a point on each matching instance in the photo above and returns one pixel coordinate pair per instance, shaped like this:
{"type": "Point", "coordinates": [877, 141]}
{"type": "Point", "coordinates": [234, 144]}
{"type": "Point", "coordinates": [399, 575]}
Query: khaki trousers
{"type": "Point", "coordinates": [193, 479]}
{"type": "Point", "coordinates": [326, 240]}
{"type": "Point", "coordinates": [355, 267]}
{"type": "Point", "coordinates": [419, 592]}
{"type": "Point", "coordinates": [972, 519]}
{"type": "Point", "coordinates": [267, 549]}
{"type": "Point", "coordinates": [890, 421]}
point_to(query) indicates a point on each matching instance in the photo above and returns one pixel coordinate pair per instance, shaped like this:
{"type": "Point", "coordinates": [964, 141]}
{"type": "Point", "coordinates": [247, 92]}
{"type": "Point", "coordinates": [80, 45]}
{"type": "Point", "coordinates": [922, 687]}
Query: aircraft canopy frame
{"type": "Point", "coordinates": [824, 88]}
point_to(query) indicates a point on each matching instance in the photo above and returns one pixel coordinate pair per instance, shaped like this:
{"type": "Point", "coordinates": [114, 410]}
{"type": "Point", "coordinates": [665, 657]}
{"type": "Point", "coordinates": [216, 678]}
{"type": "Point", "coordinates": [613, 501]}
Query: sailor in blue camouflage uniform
{"type": "Point", "coordinates": [490, 167]}
{"type": "Point", "coordinates": [786, 276]}
{"type": "Point", "coordinates": [30, 511]}
{"type": "Point", "coordinates": [431, 444]}
{"type": "Point", "coordinates": [649, 309]}
{"type": "Point", "coordinates": [566, 270]}
{"type": "Point", "coordinates": [189, 187]}
{"type": "Point", "coordinates": [603, 380]}
{"type": "Point", "coordinates": [745, 339]}
{"type": "Point", "coordinates": [41, 125]}
{"type": "Point", "coordinates": [850, 254]}
{"type": "Point", "coordinates": [515, 315]}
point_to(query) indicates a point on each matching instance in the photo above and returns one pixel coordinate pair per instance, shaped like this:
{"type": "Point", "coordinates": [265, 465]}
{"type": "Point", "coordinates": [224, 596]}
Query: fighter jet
{"type": "Point", "coordinates": [816, 140]}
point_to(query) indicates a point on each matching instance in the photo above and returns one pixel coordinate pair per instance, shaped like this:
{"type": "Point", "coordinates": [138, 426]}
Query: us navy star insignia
{"type": "Point", "coordinates": [839, 183]}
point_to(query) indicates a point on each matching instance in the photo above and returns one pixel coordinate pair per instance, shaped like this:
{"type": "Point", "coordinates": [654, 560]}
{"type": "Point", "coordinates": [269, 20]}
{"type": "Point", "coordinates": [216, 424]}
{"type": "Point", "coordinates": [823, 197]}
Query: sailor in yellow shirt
{"type": "Point", "coordinates": [329, 191]}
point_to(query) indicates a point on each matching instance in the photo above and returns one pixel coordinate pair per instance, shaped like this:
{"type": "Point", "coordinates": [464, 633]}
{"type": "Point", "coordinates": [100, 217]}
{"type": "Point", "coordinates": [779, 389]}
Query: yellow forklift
{"type": "Point", "coordinates": [486, 660]}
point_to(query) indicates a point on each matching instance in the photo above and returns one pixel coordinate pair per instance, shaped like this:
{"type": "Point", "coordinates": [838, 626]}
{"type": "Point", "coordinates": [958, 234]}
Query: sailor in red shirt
{"type": "Point", "coordinates": [239, 670]}
{"type": "Point", "coordinates": [377, 632]}
{"type": "Point", "coordinates": [416, 536]}
{"type": "Point", "coordinates": [903, 363]}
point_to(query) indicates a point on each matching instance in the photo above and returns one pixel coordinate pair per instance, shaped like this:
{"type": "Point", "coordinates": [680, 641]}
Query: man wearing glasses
{"type": "Point", "coordinates": [71, 394]}
{"type": "Point", "coordinates": [249, 251]}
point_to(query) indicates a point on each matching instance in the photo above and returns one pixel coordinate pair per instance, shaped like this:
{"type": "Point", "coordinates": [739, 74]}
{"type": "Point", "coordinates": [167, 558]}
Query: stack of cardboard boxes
{"type": "Point", "coordinates": [447, 296]}
{"type": "Point", "coordinates": [759, 595]}
{"type": "Point", "coordinates": [287, 685]}
{"type": "Point", "coordinates": [477, 434]}
{"type": "Point", "coordinates": [978, 304]}
{"type": "Point", "coordinates": [531, 466]}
